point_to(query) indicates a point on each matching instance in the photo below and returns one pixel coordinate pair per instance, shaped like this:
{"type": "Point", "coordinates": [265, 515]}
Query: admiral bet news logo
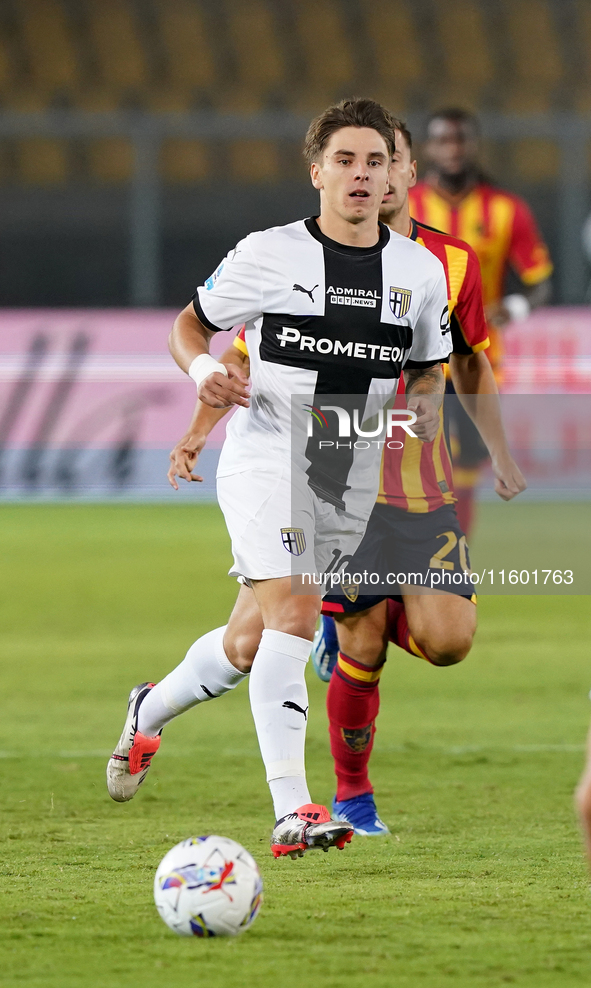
{"type": "Point", "coordinates": [380, 434]}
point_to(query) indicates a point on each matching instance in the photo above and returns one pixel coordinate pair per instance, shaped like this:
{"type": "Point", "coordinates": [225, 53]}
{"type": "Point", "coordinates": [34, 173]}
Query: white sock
{"type": "Point", "coordinates": [204, 673]}
{"type": "Point", "coordinates": [279, 704]}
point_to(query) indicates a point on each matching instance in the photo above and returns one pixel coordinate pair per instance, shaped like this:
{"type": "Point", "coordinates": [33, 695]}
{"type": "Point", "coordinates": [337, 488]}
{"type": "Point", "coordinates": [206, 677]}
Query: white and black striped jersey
{"type": "Point", "coordinates": [323, 318]}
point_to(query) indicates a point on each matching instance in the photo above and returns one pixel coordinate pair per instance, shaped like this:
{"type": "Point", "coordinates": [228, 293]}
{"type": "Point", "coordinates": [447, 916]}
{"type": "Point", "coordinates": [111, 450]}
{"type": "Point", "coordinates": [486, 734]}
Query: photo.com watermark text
{"type": "Point", "coordinates": [440, 579]}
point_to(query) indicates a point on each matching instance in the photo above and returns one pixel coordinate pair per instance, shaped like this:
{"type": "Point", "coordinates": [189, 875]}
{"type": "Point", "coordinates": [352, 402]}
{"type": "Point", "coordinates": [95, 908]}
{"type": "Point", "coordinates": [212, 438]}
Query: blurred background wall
{"type": "Point", "coordinates": [141, 138]}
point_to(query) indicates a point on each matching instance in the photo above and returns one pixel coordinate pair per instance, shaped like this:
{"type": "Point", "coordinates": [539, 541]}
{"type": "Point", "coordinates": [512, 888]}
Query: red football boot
{"type": "Point", "coordinates": [309, 827]}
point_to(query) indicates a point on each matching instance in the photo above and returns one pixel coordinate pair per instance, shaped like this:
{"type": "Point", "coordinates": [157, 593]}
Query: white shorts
{"type": "Point", "coordinates": [276, 534]}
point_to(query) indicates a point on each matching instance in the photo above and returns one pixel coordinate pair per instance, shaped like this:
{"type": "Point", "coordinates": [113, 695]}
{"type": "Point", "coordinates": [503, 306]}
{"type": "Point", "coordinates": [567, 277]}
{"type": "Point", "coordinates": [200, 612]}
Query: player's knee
{"type": "Point", "coordinates": [241, 650]}
{"type": "Point", "coordinates": [296, 616]}
{"type": "Point", "coordinates": [362, 641]}
{"type": "Point", "coordinates": [368, 652]}
{"type": "Point", "coordinates": [447, 649]}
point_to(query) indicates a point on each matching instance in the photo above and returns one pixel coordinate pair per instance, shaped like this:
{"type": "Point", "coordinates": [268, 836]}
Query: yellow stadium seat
{"type": "Point", "coordinates": [6, 66]}
{"type": "Point", "coordinates": [391, 29]}
{"type": "Point", "coordinates": [309, 100]}
{"type": "Point", "coordinates": [115, 38]}
{"type": "Point", "coordinates": [467, 59]}
{"type": "Point", "coordinates": [254, 161]}
{"type": "Point", "coordinates": [536, 56]}
{"type": "Point", "coordinates": [26, 100]}
{"type": "Point", "coordinates": [187, 45]}
{"type": "Point", "coordinates": [41, 161]}
{"type": "Point", "coordinates": [168, 100]}
{"type": "Point", "coordinates": [110, 160]}
{"type": "Point", "coordinates": [239, 99]}
{"type": "Point", "coordinates": [184, 161]}
{"type": "Point", "coordinates": [97, 99]}
{"type": "Point", "coordinates": [49, 45]}
{"type": "Point", "coordinates": [257, 51]}
{"type": "Point", "coordinates": [328, 60]}
{"type": "Point", "coordinates": [583, 23]}
{"type": "Point", "coordinates": [536, 159]}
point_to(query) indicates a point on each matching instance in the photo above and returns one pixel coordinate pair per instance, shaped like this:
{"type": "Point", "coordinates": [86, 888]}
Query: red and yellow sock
{"type": "Point", "coordinates": [353, 702]}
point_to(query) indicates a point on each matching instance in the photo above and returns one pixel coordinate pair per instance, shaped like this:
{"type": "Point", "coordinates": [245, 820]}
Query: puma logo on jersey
{"type": "Point", "coordinates": [305, 291]}
{"type": "Point", "coordinates": [293, 706]}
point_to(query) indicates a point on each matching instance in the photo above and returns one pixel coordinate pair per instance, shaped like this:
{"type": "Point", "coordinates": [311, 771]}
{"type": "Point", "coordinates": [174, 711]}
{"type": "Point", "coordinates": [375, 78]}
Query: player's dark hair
{"type": "Point", "coordinates": [400, 126]}
{"type": "Point", "coordinates": [355, 112]}
{"type": "Point", "coordinates": [455, 115]}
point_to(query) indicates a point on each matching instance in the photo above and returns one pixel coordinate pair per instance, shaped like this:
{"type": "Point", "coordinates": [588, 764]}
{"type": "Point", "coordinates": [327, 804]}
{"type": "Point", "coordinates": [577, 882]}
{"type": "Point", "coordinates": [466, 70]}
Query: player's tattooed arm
{"type": "Point", "coordinates": [184, 456]}
{"type": "Point", "coordinates": [424, 388]}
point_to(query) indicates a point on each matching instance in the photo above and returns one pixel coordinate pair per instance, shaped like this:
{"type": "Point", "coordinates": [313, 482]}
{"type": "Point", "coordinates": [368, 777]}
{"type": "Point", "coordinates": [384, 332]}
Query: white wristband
{"type": "Point", "coordinates": [517, 306]}
{"type": "Point", "coordinates": [204, 365]}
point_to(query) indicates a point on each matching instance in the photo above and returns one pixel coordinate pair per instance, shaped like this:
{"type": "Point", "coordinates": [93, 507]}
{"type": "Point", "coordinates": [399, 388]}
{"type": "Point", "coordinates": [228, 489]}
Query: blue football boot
{"type": "Point", "coordinates": [325, 649]}
{"type": "Point", "coordinates": [361, 813]}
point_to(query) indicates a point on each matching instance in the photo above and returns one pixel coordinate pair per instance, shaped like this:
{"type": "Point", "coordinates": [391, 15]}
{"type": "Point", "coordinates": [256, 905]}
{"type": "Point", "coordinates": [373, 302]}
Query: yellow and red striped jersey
{"type": "Point", "coordinates": [501, 229]}
{"type": "Point", "coordinates": [418, 478]}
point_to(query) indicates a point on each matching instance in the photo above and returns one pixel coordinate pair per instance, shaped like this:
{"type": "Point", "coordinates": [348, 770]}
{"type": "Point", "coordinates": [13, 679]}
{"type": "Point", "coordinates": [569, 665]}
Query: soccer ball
{"type": "Point", "coordinates": [208, 887]}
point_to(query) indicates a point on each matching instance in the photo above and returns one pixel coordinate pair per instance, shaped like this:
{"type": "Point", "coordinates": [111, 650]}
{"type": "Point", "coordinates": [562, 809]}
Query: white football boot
{"type": "Point", "coordinates": [309, 827]}
{"type": "Point", "coordinates": [129, 764]}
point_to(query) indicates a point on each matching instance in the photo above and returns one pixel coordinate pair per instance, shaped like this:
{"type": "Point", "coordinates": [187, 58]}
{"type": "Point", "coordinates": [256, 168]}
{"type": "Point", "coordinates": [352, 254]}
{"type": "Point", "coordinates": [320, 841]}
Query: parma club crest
{"type": "Point", "coordinates": [294, 540]}
{"type": "Point", "coordinates": [400, 299]}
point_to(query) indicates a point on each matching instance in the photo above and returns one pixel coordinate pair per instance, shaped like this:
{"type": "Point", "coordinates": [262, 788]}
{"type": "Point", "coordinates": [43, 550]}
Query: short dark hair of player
{"type": "Point", "coordinates": [455, 115]}
{"type": "Point", "coordinates": [401, 127]}
{"type": "Point", "coordinates": [348, 113]}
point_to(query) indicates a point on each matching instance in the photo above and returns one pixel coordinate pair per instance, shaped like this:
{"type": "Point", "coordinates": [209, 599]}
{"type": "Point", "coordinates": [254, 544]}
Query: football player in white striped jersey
{"type": "Point", "coordinates": [334, 306]}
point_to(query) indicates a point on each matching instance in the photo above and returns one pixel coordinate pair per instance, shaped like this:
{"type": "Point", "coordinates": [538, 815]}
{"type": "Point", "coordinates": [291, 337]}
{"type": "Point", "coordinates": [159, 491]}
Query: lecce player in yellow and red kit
{"type": "Point", "coordinates": [421, 480]}
{"type": "Point", "coordinates": [413, 529]}
{"type": "Point", "coordinates": [455, 197]}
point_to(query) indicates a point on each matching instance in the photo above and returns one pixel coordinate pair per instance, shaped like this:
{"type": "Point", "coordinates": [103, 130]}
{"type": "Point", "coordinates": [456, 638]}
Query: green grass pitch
{"type": "Point", "coordinates": [481, 883]}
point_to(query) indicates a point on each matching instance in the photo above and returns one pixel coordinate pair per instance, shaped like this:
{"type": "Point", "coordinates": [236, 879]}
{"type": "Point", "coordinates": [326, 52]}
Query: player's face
{"type": "Point", "coordinates": [401, 177]}
{"type": "Point", "coordinates": [352, 174]}
{"type": "Point", "coordinates": [452, 147]}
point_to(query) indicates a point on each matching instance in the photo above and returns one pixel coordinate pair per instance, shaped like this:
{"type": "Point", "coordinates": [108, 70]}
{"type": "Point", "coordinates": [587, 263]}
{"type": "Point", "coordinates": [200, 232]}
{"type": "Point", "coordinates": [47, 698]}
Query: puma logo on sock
{"type": "Point", "coordinates": [293, 706]}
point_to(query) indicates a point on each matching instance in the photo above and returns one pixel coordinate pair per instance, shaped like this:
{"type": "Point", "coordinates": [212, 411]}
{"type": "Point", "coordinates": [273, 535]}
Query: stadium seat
{"type": "Point", "coordinates": [24, 99]}
{"type": "Point", "coordinates": [115, 35]}
{"type": "Point", "coordinates": [49, 47]}
{"type": "Point", "coordinates": [41, 161]}
{"type": "Point", "coordinates": [186, 46]}
{"type": "Point", "coordinates": [536, 159]}
{"type": "Point", "coordinates": [184, 162]}
{"type": "Point", "coordinates": [7, 66]}
{"type": "Point", "coordinates": [582, 95]}
{"type": "Point", "coordinates": [97, 99]}
{"type": "Point", "coordinates": [399, 65]}
{"type": "Point", "coordinates": [163, 99]}
{"type": "Point", "coordinates": [536, 56]}
{"type": "Point", "coordinates": [327, 56]}
{"type": "Point", "coordinates": [254, 161]}
{"type": "Point", "coordinates": [257, 57]}
{"type": "Point", "coordinates": [109, 160]}
{"type": "Point", "coordinates": [466, 56]}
